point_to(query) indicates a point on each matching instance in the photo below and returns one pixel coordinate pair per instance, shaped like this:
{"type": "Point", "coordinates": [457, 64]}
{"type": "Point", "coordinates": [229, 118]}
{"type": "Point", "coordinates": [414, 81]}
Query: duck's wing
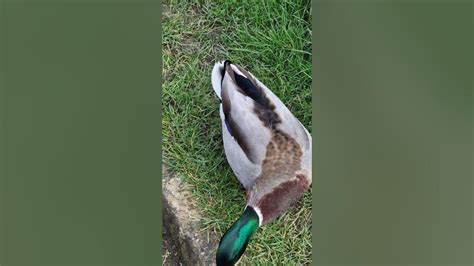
{"type": "Point", "coordinates": [285, 121]}
{"type": "Point", "coordinates": [245, 137]}
{"type": "Point", "coordinates": [250, 112]}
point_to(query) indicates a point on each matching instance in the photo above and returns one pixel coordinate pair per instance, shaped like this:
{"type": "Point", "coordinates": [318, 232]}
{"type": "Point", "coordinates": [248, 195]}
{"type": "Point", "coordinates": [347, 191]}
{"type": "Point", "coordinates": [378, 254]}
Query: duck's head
{"type": "Point", "coordinates": [235, 240]}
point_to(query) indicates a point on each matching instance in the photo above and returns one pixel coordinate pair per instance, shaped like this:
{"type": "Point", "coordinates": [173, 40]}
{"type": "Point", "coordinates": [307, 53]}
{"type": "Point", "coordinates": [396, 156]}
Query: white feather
{"type": "Point", "coordinates": [216, 78]}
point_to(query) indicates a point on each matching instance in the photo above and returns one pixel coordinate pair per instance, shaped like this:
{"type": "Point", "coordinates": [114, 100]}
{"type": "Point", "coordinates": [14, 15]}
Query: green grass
{"type": "Point", "coordinates": [273, 41]}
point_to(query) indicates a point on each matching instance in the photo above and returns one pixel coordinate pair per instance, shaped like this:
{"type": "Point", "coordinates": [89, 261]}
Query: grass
{"type": "Point", "coordinates": [273, 41]}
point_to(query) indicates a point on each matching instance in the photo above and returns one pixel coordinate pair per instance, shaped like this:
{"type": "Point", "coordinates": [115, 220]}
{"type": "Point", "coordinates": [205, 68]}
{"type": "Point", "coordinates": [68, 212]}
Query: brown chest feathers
{"type": "Point", "coordinates": [280, 183]}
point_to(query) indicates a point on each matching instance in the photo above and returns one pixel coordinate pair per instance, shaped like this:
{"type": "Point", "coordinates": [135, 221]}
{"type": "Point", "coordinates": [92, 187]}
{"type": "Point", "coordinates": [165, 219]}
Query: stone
{"type": "Point", "coordinates": [182, 221]}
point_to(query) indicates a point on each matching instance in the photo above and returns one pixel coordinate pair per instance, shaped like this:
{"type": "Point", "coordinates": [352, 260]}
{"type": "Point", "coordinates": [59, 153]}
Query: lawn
{"type": "Point", "coordinates": [273, 41]}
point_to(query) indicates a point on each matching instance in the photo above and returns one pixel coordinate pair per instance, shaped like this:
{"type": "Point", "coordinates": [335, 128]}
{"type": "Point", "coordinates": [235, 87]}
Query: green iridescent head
{"type": "Point", "coordinates": [235, 240]}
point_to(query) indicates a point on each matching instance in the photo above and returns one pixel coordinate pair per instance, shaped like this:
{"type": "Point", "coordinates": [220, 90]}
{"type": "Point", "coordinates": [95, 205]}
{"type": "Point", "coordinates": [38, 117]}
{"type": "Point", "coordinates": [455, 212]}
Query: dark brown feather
{"type": "Point", "coordinates": [263, 107]}
{"type": "Point", "coordinates": [282, 197]}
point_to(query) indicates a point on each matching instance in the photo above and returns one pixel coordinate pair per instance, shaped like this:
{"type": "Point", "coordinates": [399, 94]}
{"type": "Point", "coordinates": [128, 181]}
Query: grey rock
{"type": "Point", "coordinates": [182, 220]}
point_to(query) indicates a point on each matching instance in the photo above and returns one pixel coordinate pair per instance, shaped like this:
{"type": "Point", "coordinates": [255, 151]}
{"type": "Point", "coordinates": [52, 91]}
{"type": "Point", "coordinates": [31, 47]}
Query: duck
{"type": "Point", "coordinates": [268, 149]}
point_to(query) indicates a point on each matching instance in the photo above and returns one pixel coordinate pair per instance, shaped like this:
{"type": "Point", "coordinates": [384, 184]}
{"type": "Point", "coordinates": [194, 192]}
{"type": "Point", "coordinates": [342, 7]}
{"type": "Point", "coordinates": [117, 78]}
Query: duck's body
{"type": "Point", "coordinates": [266, 146]}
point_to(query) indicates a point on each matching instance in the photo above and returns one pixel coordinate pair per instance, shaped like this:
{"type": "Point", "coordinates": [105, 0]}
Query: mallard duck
{"type": "Point", "coordinates": [268, 149]}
